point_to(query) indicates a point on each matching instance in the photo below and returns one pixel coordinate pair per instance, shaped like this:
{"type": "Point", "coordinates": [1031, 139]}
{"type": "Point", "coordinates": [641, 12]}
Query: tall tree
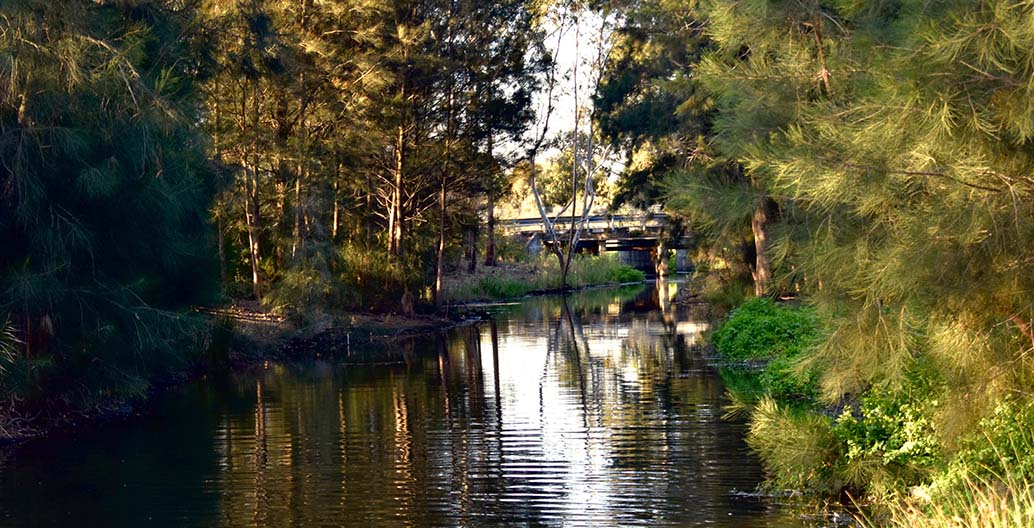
{"type": "Point", "coordinates": [651, 104]}
{"type": "Point", "coordinates": [104, 187]}
{"type": "Point", "coordinates": [584, 164]}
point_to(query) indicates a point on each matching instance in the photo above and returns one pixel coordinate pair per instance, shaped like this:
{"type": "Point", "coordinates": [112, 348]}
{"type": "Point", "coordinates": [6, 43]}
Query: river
{"type": "Point", "coordinates": [594, 410]}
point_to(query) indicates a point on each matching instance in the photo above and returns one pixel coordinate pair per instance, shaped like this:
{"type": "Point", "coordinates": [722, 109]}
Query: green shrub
{"type": "Point", "coordinates": [760, 329]}
{"type": "Point", "coordinates": [511, 249]}
{"type": "Point", "coordinates": [781, 379]}
{"type": "Point", "coordinates": [1000, 448]}
{"type": "Point", "coordinates": [367, 281]}
{"type": "Point", "coordinates": [626, 274]}
{"type": "Point", "coordinates": [889, 443]}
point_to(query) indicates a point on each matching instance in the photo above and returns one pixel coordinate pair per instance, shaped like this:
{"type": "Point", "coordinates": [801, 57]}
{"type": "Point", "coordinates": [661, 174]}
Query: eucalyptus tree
{"type": "Point", "coordinates": [585, 164]}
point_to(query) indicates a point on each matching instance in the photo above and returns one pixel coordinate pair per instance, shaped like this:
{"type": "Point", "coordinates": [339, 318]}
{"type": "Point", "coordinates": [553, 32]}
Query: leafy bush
{"type": "Point", "coordinates": [760, 329]}
{"type": "Point", "coordinates": [781, 379]}
{"type": "Point", "coordinates": [890, 442]}
{"type": "Point", "coordinates": [989, 482]}
{"type": "Point", "coordinates": [626, 274]}
{"type": "Point", "coordinates": [1000, 448]}
{"type": "Point", "coordinates": [367, 281]}
{"type": "Point", "coordinates": [763, 331]}
{"type": "Point", "coordinates": [511, 249]}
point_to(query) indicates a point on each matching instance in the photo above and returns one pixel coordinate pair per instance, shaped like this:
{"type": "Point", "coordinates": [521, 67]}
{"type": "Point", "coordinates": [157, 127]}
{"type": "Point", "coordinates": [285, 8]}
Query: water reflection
{"type": "Point", "coordinates": [587, 411]}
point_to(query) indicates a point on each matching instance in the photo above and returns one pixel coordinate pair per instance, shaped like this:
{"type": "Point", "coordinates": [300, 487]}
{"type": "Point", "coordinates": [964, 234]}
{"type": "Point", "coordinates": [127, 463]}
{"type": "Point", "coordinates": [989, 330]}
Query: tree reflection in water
{"type": "Point", "coordinates": [588, 410]}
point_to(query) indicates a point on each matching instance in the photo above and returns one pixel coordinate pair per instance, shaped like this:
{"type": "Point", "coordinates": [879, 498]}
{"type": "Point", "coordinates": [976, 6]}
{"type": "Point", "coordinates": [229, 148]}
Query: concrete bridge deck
{"type": "Point", "coordinates": [635, 237]}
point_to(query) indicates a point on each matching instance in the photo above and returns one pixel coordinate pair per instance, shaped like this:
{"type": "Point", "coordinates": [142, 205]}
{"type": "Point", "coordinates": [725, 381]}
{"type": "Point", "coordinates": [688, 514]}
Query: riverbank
{"type": "Point", "coordinates": [513, 280]}
{"type": "Point", "coordinates": [231, 338]}
{"type": "Point", "coordinates": [879, 447]}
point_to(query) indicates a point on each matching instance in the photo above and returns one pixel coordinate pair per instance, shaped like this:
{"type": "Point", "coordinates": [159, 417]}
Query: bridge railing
{"type": "Point", "coordinates": [595, 223]}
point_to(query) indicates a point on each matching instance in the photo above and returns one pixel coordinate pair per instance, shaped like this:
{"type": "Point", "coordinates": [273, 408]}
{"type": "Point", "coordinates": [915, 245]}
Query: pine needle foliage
{"type": "Point", "coordinates": [104, 190]}
{"type": "Point", "coordinates": [900, 133]}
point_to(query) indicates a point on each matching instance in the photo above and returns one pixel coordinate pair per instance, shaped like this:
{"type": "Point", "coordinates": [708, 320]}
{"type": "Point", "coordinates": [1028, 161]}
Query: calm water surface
{"type": "Point", "coordinates": [590, 411]}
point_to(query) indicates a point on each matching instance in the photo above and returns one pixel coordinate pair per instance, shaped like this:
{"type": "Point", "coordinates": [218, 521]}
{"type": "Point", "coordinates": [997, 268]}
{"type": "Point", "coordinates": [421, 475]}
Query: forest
{"type": "Point", "coordinates": [859, 176]}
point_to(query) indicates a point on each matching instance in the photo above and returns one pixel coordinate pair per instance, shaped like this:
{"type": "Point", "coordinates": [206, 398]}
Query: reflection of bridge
{"type": "Point", "coordinates": [635, 237]}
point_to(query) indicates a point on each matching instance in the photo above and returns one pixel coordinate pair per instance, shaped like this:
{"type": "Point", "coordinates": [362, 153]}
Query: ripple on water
{"type": "Point", "coordinates": [578, 415]}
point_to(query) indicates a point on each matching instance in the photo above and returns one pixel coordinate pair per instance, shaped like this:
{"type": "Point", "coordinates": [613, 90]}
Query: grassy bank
{"type": "Point", "coordinates": [517, 279]}
{"type": "Point", "coordinates": [885, 446]}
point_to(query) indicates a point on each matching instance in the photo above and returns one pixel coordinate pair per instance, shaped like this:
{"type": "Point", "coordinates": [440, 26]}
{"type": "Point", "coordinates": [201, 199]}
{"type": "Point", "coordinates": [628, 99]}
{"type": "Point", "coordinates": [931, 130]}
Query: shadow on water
{"type": "Point", "coordinates": [589, 410]}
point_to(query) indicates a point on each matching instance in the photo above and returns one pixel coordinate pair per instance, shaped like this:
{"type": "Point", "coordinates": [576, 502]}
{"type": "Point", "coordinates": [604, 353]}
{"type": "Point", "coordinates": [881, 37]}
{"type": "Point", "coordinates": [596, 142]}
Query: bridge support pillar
{"type": "Point", "coordinates": [682, 263]}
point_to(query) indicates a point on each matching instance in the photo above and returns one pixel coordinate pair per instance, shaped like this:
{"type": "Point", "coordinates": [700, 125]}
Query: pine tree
{"type": "Point", "coordinates": [104, 189]}
{"type": "Point", "coordinates": [899, 133]}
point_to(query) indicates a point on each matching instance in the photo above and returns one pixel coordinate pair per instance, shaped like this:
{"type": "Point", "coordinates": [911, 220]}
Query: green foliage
{"type": "Point", "coordinates": [999, 449]}
{"type": "Point", "coordinates": [511, 249]}
{"type": "Point", "coordinates": [104, 196]}
{"type": "Point", "coordinates": [369, 282]}
{"type": "Point", "coordinates": [587, 270]}
{"type": "Point", "coordinates": [977, 502]}
{"type": "Point", "coordinates": [368, 125]}
{"type": "Point", "coordinates": [783, 379]}
{"type": "Point", "coordinates": [797, 448]}
{"type": "Point", "coordinates": [508, 282]}
{"type": "Point", "coordinates": [988, 482]}
{"type": "Point", "coordinates": [761, 329]}
{"type": "Point", "coordinates": [501, 288]}
{"type": "Point", "coordinates": [890, 443]}
{"type": "Point", "coordinates": [626, 274]}
{"type": "Point", "coordinates": [884, 446]}
{"type": "Point", "coordinates": [647, 101]}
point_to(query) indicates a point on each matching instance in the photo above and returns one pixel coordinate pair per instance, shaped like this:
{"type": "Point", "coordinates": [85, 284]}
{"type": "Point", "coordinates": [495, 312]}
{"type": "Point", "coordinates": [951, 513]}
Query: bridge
{"type": "Point", "coordinates": [635, 237]}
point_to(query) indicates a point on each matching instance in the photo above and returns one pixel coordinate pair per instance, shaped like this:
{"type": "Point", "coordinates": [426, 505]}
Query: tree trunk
{"type": "Point", "coordinates": [337, 208]}
{"type": "Point", "coordinates": [762, 269]}
{"type": "Point", "coordinates": [395, 216]}
{"type": "Point", "coordinates": [220, 239]}
{"type": "Point", "coordinates": [472, 266]}
{"type": "Point", "coordinates": [296, 231]}
{"type": "Point", "coordinates": [490, 245]}
{"type": "Point", "coordinates": [439, 270]}
{"type": "Point", "coordinates": [281, 211]}
{"type": "Point", "coordinates": [251, 219]}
